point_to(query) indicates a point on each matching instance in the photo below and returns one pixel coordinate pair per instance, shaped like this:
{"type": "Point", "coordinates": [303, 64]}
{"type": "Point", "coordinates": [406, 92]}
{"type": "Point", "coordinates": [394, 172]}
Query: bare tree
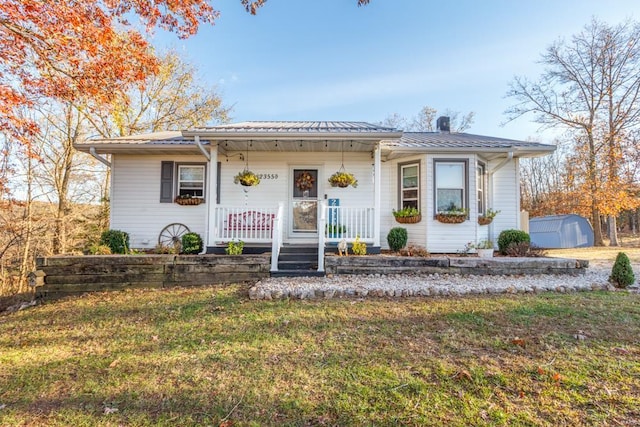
{"type": "Point", "coordinates": [589, 87]}
{"type": "Point", "coordinates": [425, 120]}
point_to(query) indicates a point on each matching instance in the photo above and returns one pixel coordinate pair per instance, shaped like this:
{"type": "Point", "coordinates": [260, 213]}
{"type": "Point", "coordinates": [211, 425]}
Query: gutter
{"type": "Point", "coordinates": [201, 148]}
{"type": "Point", "coordinates": [94, 153]}
{"type": "Point", "coordinates": [502, 163]}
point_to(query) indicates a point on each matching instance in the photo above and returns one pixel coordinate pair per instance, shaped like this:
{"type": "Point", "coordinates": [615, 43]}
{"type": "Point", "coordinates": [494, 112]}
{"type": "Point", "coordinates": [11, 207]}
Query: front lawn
{"type": "Point", "coordinates": [209, 356]}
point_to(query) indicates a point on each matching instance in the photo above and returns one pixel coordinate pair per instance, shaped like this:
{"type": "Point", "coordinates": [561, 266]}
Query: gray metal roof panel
{"type": "Point", "coordinates": [297, 127]}
{"type": "Point", "coordinates": [459, 140]}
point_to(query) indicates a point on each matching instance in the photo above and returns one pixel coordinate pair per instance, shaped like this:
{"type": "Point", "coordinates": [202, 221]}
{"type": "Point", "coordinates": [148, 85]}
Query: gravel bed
{"type": "Point", "coordinates": [407, 285]}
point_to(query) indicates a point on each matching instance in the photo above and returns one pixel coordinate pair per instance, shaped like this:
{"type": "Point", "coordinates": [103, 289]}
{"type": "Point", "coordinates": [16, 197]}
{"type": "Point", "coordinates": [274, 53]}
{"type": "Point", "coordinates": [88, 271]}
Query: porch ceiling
{"type": "Point", "coordinates": [296, 146]}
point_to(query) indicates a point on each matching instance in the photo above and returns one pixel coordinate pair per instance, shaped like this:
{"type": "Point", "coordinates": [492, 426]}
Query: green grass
{"type": "Point", "coordinates": [209, 356]}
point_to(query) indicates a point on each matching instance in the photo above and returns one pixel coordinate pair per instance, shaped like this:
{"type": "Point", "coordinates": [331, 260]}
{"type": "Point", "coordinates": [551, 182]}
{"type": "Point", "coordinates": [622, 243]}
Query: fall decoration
{"type": "Point", "coordinates": [304, 181]}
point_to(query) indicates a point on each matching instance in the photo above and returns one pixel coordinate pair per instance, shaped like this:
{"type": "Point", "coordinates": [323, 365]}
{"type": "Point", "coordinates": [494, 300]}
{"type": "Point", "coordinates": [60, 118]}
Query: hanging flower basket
{"type": "Point", "coordinates": [188, 200]}
{"type": "Point", "coordinates": [305, 181]}
{"type": "Point", "coordinates": [407, 215]}
{"type": "Point", "coordinates": [343, 179]}
{"type": "Point", "coordinates": [246, 178]}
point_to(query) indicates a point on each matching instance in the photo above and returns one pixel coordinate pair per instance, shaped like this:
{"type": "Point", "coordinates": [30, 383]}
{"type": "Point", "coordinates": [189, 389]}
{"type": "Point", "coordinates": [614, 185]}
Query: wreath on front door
{"type": "Point", "coordinates": [305, 181]}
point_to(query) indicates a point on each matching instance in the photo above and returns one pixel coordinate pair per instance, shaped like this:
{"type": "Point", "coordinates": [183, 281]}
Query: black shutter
{"type": "Point", "coordinates": [166, 182]}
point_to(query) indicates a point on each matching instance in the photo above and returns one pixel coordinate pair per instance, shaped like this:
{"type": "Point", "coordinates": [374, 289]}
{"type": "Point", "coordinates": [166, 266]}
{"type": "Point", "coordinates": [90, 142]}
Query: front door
{"type": "Point", "coordinates": [304, 203]}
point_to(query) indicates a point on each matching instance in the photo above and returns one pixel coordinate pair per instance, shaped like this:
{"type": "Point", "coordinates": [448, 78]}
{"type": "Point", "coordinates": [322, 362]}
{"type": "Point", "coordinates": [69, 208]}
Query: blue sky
{"type": "Point", "coordinates": [332, 60]}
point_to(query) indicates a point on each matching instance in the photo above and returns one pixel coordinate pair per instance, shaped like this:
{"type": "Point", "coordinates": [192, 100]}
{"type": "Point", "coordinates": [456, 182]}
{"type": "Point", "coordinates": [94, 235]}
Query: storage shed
{"type": "Point", "coordinates": [561, 231]}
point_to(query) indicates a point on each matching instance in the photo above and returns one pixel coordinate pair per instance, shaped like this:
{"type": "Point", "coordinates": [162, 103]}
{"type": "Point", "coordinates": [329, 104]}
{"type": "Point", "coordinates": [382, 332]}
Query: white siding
{"type": "Point", "coordinates": [506, 197]}
{"type": "Point", "coordinates": [450, 238]}
{"type": "Point", "coordinates": [271, 191]}
{"type": "Point", "coordinates": [390, 192]}
{"type": "Point", "coordinates": [135, 200]}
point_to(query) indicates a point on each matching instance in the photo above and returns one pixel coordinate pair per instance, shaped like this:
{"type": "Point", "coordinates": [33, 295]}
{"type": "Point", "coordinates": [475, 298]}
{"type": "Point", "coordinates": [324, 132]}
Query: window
{"type": "Point", "coordinates": [410, 186]}
{"type": "Point", "coordinates": [191, 180]}
{"type": "Point", "coordinates": [451, 191]}
{"type": "Point", "coordinates": [481, 183]}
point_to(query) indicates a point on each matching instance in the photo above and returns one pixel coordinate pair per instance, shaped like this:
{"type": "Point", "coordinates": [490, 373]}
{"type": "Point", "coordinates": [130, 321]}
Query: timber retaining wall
{"type": "Point", "coordinates": [65, 275]}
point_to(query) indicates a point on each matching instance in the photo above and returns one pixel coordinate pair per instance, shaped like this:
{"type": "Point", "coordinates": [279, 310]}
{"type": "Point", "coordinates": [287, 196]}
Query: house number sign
{"type": "Point", "coordinates": [267, 175]}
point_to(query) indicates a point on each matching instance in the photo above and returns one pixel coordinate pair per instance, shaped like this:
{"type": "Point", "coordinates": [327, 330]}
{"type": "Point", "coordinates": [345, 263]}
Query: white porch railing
{"type": "Point", "coordinates": [348, 223]}
{"type": "Point", "coordinates": [278, 236]}
{"type": "Point", "coordinates": [249, 224]}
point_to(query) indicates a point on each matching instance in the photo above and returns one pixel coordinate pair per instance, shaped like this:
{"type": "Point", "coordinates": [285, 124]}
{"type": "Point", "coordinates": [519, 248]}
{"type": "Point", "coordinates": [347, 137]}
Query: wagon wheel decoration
{"type": "Point", "coordinates": [171, 235]}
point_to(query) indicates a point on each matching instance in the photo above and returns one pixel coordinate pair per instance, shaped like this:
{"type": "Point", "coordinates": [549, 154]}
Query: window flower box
{"type": "Point", "coordinates": [188, 200]}
{"type": "Point", "coordinates": [487, 218]}
{"type": "Point", "coordinates": [407, 215]}
{"type": "Point", "coordinates": [452, 216]}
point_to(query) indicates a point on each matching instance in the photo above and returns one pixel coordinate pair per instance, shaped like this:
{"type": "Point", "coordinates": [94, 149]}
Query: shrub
{"type": "Point", "coordinates": [191, 243]}
{"type": "Point", "coordinates": [622, 273]}
{"type": "Point", "coordinates": [509, 237]}
{"type": "Point", "coordinates": [358, 247]}
{"type": "Point", "coordinates": [414, 250]}
{"type": "Point", "coordinates": [524, 249]}
{"type": "Point", "coordinates": [397, 238]}
{"type": "Point", "coordinates": [234, 248]}
{"type": "Point", "coordinates": [116, 240]}
{"type": "Point", "coordinates": [99, 250]}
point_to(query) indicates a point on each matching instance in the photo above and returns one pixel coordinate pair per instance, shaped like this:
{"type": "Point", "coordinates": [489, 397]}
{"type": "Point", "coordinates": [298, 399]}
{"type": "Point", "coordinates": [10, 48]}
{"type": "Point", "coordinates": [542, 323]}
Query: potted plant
{"type": "Point", "coordinates": [485, 248]}
{"type": "Point", "coordinates": [343, 179]}
{"type": "Point", "coordinates": [488, 216]}
{"type": "Point", "coordinates": [452, 215]}
{"type": "Point", "coordinates": [335, 230]}
{"type": "Point", "coordinates": [188, 200]}
{"type": "Point", "coordinates": [246, 178]}
{"type": "Point", "coordinates": [407, 215]}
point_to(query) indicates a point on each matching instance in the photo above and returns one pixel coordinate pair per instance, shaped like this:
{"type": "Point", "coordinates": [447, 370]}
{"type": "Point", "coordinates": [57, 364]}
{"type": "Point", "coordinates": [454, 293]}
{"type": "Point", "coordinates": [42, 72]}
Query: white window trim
{"type": "Point", "coordinates": [465, 180]}
{"type": "Point", "coordinates": [204, 177]}
{"type": "Point", "coordinates": [401, 199]}
{"type": "Point", "coordinates": [481, 186]}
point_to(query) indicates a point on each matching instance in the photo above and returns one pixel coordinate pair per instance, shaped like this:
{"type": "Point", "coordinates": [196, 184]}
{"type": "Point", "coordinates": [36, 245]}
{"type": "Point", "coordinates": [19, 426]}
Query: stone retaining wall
{"type": "Point", "coordinates": [452, 265]}
{"type": "Point", "coordinates": [65, 275]}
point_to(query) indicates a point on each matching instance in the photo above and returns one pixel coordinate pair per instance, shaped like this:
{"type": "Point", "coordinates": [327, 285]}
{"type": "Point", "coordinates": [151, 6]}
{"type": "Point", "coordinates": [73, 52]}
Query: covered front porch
{"type": "Point", "coordinates": [262, 229]}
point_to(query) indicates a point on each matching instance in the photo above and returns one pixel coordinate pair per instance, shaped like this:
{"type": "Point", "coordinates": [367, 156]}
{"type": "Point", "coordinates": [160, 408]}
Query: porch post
{"type": "Point", "coordinates": [212, 194]}
{"type": "Point", "coordinates": [377, 190]}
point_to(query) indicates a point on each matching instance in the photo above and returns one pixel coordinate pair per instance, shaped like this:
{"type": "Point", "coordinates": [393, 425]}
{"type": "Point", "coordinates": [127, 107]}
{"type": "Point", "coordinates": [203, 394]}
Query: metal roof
{"type": "Point", "coordinates": [295, 127]}
{"type": "Point", "coordinates": [318, 136]}
{"type": "Point", "coordinates": [458, 140]}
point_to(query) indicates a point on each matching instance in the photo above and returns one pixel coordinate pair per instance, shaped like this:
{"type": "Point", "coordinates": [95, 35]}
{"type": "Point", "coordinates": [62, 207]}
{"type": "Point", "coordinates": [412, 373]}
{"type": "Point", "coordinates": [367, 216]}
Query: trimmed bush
{"type": "Point", "coordinates": [397, 238]}
{"type": "Point", "coordinates": [191, 243]}
{"type": "Point", "coordinates": [116, 240]}
{"type": "Point", "coordinates": [509, 237]}
{"type": "Point", "coordinates": [622, 273]}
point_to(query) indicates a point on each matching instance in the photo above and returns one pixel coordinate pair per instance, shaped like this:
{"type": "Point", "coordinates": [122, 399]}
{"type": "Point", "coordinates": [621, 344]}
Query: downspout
{"type": "Point", "coordinates": [201, 148]}
{"type": "Point", "coordinates": [94, 153]}
{"type": "Point", "coordinates": [491, 172]}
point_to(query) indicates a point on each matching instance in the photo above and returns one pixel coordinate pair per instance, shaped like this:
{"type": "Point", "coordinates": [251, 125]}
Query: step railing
{"type": "Point", "coordinates": [278, 236]}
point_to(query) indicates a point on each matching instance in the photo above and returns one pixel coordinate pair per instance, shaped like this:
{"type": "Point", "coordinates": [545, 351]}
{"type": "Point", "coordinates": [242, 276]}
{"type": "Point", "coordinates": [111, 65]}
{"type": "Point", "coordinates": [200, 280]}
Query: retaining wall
{"type": "Point", "coordinates": [64, 275]}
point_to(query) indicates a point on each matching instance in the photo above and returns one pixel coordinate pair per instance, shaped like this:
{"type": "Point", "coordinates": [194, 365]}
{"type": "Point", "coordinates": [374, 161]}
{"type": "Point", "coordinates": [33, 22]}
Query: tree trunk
{"type": "Point", "coordinates": [613, 231]}
{"type": "Point", "coordinates": [597, 227]}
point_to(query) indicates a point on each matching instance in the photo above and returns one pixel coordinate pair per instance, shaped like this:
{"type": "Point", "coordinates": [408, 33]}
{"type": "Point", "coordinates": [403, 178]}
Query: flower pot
{"type": "Point", "coordinates": [483, 220]}
{"type": "Point", "coordinates": [485, 253]}
{"type": "Point", "coordinates": [451, 219]}
{"type": "Point", "coordinates": [409, 219]}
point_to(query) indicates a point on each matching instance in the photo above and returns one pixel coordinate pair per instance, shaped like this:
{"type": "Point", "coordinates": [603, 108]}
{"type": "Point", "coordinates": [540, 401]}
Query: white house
{"type": "Point", "coordinates": [294, 204]}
